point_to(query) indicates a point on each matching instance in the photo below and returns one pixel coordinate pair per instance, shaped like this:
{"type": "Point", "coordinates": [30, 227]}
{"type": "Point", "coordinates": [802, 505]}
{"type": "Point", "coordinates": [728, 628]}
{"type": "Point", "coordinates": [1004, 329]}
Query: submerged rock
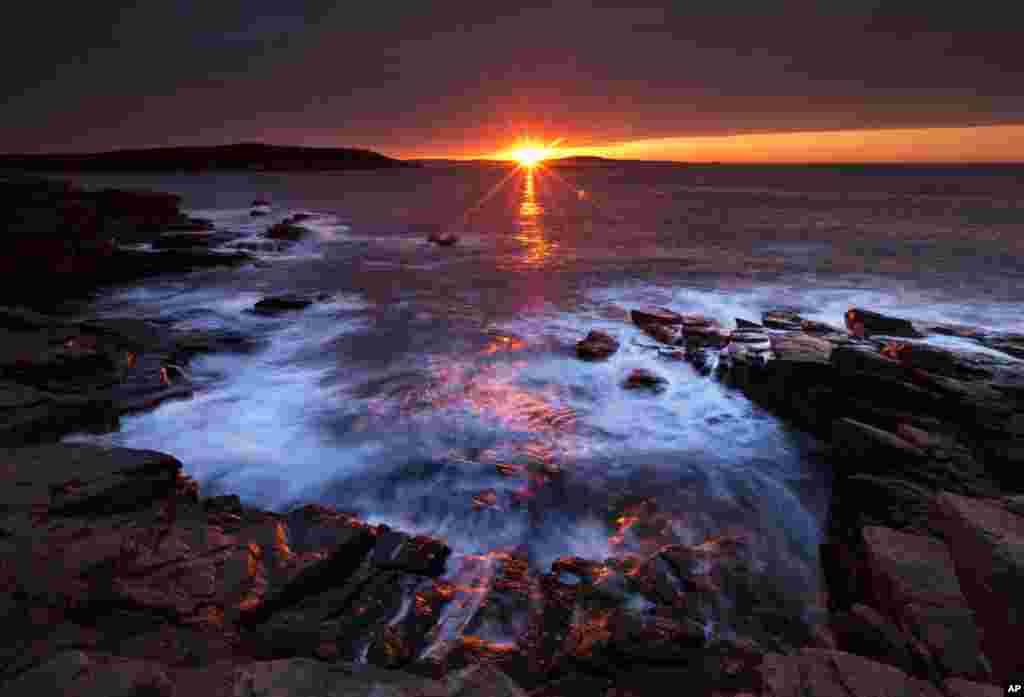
{"type": "Point", "coordinates": [442, 239]}
{"type": "Point", "coordinates": [645, 380]}
{"type": "Point", "coordinates": [286, 303]}
{"type": "Point", "coordinates": [287, 231]}
{"type": "Point", "coordinates": [597, 345]}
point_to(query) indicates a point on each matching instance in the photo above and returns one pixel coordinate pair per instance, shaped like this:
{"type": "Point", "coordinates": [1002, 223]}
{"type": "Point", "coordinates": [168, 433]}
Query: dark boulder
{"type": "Point", "coordinates": [747, 324]}
{"type": "Point", "coordinates": [867, 323]}
{"type": "Point", "coordinates": [282, 303]}
{"type": "Point", "coordinates": [654, 315]}
{"type": "Point", "coordinates": [597, 345]}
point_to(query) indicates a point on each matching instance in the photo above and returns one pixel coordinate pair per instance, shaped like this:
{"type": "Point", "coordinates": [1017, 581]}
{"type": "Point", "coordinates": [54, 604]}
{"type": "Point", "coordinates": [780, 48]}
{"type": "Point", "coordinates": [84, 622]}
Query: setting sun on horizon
{"type": "Point", "coordinates": [1002, 143]}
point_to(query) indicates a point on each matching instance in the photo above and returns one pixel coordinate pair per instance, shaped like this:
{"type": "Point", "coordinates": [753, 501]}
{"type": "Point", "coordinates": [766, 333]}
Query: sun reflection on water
{"type": "Point", "coordinates": [531, 230]}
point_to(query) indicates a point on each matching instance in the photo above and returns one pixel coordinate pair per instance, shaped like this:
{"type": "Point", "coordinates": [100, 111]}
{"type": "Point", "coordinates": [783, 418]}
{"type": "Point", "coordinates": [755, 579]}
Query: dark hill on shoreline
{"type": "Point", "coordinates": [241, 156]}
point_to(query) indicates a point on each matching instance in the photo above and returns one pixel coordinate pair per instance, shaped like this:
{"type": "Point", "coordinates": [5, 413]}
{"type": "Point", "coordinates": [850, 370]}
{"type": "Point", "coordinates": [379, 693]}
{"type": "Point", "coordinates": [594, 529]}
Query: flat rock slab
{"type": "Point", "coordinates": [987, 545]}
{"type": "Point", "coordinates": [85, 479]}
{"type": "Point", "coordinates": [911, 569]}
{"type": "Point", "coordinates": [826, 673]}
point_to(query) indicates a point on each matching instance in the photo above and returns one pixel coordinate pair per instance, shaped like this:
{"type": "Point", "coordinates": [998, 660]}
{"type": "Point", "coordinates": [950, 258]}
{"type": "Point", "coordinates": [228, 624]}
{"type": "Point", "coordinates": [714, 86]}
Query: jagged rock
{"type": "Point", "coordinates": [654, 315]}
{"type": "Point", "coordinates": [663, 333]}
{"type": "Point", "coordinates": [781, 319]}
{"type": "Point", "coordinates": [597, 345]}
{"type": "Point", "coordinates": [913, 579]}
{"type": "Point", "coordinates": [821, 328]}
{"type": "Point", "coordinates": [862, 630]}
{"type": "Point", "coordinates": [645, 379]}
{"type": "Point", "coordinates": [867, 323]}
{"type": "Point", "coordinates": [987, 546]}
{"type": "Point", "coordinates": [746, 324]}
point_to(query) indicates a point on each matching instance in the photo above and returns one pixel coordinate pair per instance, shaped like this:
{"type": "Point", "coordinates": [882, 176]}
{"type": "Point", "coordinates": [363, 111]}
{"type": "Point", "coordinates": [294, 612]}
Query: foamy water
{"type": "Point", "coordinates": [433, 375]}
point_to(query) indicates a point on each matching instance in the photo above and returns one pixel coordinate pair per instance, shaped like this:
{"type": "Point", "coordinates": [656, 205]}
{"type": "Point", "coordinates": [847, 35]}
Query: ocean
{"type": "Point", "coordinates": [433, 375]}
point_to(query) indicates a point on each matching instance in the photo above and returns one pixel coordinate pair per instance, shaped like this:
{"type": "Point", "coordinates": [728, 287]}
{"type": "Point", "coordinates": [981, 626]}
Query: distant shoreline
{"type": "Point", "coordinates": [251, 157]}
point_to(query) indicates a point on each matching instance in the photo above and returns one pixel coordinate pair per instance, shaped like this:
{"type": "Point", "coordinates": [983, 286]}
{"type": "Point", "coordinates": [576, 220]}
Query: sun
{"type": "Point", "coordinates": [529, 154]}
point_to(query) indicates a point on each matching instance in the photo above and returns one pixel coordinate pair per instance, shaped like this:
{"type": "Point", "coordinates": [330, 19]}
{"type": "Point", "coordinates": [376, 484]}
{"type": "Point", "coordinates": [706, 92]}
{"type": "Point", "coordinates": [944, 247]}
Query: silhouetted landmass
{"type": "Point", "coordinates": [242, 156]}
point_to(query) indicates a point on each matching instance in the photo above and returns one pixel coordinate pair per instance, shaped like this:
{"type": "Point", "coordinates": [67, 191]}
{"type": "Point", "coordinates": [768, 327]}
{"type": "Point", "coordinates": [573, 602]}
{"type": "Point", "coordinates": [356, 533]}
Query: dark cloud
{"type": "Point", "coordinates": [443, 77]}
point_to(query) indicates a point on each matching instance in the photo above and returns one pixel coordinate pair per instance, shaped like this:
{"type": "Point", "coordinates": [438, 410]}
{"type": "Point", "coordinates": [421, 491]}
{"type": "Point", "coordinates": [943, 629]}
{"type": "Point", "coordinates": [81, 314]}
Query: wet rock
{"type": "Point", "coordinates": [867, 323]}
{"type": "Point", "coordinates": [987, 546]}
{"type": "Point", "coordinates": [645, 380]}
{"type": "Point", "coordinates": [940, 361]}
{"type": "Point", "coordinates": [597, 345]}
{"type": "Point", "coordinates": [748, 346]}
{"type": "Point", "coordinates": [418, 554]}
{"type": "Point", "coordinates": [282, 303]}
{"type": "Point", "coordinates": [287, 231]}
{"type": "Point", "coordinates": [663, 333]}
{"type": "Point", "coordinates": [703, 331]}
{"type": "Point", "coordinates": [746, 324]}
{"type": "Point", "coordinates": [782, 319]}
{"type": "Point", "coordinates": [655, 315]}
{"type": "Point", "coordinates": [301, 217]}
{"type": "Point", "coordinates": [820, 328]}
{"type": "Point", "coordinates": [654, 639]}
{"type": "Point", "coordinates": [442, 239]}
{"type": "Point", "coordinates": [1010, 344]}
{"type": "Point", "coordinates": [258, 212]}
{"type": "Point", "coordinates": [862, 630]}
{"type": "Point", "coordinates": [77, 674]}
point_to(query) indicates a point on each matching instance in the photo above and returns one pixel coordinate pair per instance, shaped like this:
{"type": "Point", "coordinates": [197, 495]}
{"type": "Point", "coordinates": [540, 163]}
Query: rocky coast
{"type": "Point", "coordinates": [120, 578]}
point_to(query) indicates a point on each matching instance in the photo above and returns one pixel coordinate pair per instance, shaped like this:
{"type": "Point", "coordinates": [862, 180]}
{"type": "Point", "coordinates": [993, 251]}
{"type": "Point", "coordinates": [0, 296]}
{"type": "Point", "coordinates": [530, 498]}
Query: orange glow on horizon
{"type": "Point", "coordinates": [1003, 143]}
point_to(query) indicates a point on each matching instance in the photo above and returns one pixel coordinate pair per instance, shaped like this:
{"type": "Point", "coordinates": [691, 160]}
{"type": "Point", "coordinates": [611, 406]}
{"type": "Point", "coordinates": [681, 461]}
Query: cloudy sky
{"type": "Point", "coordinates": [470, 78]}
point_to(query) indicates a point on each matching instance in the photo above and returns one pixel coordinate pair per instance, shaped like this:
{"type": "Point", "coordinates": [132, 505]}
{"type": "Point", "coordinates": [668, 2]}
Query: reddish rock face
{"type": "Point", "coordinates": [987, 545]}
{"type": "Point", "coordinates": [655, 315]}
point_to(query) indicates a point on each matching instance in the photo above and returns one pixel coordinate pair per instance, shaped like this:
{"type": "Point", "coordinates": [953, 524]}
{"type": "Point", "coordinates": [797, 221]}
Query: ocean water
{"type": "Point", "coordinates": [435, 374]}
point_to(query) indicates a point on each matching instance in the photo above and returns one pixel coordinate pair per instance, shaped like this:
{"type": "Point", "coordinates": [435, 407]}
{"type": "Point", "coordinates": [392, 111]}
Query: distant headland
{"type": "Point", "coordinates": [240, 156]}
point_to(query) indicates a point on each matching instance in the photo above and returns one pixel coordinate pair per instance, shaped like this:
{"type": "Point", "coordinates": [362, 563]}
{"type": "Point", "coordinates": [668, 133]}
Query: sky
{"type": "Point", "coordinates": [730, 80]}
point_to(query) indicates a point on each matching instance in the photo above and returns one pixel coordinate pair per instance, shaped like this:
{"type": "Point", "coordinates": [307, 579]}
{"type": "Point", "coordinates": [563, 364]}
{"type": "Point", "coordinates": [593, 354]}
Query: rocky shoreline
{"type": "Point", "coordinates": [119, 578]}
